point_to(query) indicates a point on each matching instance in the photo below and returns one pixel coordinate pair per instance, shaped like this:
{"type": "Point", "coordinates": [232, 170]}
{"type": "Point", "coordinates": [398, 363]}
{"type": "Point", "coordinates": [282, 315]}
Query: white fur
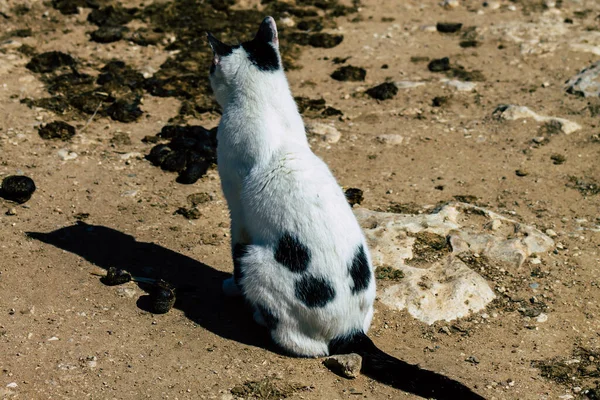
{"type": "Point", "coordinates": [274, 184]}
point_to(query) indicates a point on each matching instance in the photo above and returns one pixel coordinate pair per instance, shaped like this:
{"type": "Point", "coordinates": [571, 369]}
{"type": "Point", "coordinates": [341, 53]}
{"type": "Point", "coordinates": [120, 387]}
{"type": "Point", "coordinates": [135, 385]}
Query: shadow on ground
{"type": "Point", "coordinates": [198, 285]}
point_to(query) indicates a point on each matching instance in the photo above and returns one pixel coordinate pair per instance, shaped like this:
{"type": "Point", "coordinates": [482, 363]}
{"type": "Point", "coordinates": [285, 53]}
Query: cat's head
{"type": "Point", "coordinates": [245, 65]}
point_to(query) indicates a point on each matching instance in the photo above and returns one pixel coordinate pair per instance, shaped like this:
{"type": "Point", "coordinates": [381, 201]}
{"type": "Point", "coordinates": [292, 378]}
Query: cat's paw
{"type": "Point", "coordinates": [230, 288]}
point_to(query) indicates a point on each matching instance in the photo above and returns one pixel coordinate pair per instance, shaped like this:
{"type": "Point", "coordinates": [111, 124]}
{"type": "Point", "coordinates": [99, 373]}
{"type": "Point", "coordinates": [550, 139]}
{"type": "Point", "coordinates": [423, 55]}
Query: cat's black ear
{"type": "Point", "coordinates": [219, 48]}
{"type": "Point", "coordinates": [268, 32]}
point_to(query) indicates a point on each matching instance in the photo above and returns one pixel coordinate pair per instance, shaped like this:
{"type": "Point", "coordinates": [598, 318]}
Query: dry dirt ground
{"type": "Point", "coordinates": [66, 335]}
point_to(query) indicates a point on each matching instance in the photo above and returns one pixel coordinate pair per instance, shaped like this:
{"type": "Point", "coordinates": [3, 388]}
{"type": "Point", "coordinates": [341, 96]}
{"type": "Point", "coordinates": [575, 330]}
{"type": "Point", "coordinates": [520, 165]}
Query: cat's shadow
{"type": "Point", "coordinates": [199, 293]}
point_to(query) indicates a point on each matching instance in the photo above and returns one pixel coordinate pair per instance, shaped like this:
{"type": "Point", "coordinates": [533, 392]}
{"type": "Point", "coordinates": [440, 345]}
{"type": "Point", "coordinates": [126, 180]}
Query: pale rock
{"type": "Point", "coordinates": [542, 318]}
{"type": "Point", "coordinates": [327, 133]}
{"type": "Point", "coordinates": [348, 365]}
{"type": "Point", "coordinates": [429, 28]}
{"type": "Point", "coordinates": [66, 155]}
{"type": "Point", "coordinates": [551, 233]}
{"type": "Point", "coordinates": [134, 154]}
{"type": "Point", "coordinates": [511, 112]}
{"type": "Point", "coordinates": [12, 385]}
{"type": "Point", "coordinates": [390, 139]}
{"type": "Point", "coordinates": [459, 85]}
{"type": "Point", "coordinates": [125, 291]}
{"type": "Point", "coordinates": [448, 288]}
{"type": "Point", "coordinates": [287, 22]}
{"type": "Point", "coordinates": [408, 84]}
{"type": "Point", "coordinates": [587, 82]}
{"type": "Point", "coordinates": [450, 4]}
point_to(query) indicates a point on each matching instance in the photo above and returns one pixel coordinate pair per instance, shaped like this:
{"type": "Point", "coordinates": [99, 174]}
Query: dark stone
{"type": "Point", "coordinates": [17, 188]}
{"type": "Point", "coordinates": [115, 277]}
{"type": "Point", "coordinates": [307, 104]}
{"type": "Point", "coordinates": [325, 40]}
{"type": "Point", "coordinates": [439, 65]}
{"type": "Point", "coordinates": [108, 34]}
{"type": "Point", "coordinates": [331, 112]}
{"type": "Point", "coordinates": [448, 27]}
{"type": "Point", "coordinates": [268, 316]}
{"type": "Point", "coordinates": [314, 292]}
{"type": "Point", "coordinates": [354, 196]}
{"type": "Point", "coordinates": [385, 91]}
{"type": "Point", "coordinates": [292, 254]}
{"type": "Point", "coordinates": [349, 73]}
{"type": "Point", "coordinates": [57, 130]}
{"type": "Point", "coordinates": [360, 271]}
{"type": "Point", "coordinates": [69, 7]}
{"type": "Point", "coordinates": [162, 297]}
{"type": "Point", "coordinates": [50, 61]}
{"type": "Point", "coordinates": [111, 16]}
{"type": "Point", "coordinates": [469, 43]}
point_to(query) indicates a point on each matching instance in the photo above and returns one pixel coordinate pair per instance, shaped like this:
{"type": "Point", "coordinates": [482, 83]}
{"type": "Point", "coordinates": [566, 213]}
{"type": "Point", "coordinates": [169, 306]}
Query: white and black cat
{"type": "Point", "coordinates": [300, 257]}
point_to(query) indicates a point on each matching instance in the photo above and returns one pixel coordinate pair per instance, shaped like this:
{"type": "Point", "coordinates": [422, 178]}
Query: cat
{"type": "Point", "coordinates": [300, 258]}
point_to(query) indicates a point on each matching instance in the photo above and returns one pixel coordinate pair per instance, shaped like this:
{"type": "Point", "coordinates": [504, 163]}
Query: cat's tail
{"type": "Point", "coordinates": [399, 374]}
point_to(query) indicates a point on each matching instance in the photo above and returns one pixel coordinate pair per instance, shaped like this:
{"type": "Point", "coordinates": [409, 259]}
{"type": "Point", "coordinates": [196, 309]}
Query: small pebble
{"type": "Point", "coordinates": [116, 277]}
{"type": "Point", "coordinates": [11, 211]}
{"type": "Point", "coordinates": [551, 233]}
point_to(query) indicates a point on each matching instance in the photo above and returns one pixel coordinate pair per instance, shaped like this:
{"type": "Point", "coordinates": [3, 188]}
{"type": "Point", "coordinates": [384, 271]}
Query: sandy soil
{"type": "Point", "coordinates": [66, 335]}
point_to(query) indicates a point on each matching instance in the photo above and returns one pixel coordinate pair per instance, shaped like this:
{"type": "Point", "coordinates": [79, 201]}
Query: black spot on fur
{"type": "Point", "coordinates": [314, 291]}
{"type": "Point", "coordinates": [360, 271]}
{"type": "Point", "coordinates": [292, 254]}
{"type": "Point", "coordinates": [239, 250]}
{"type": "Point", "coordinates": [262, 54]}
{"type": "Point", "coordinates": [268, 316]}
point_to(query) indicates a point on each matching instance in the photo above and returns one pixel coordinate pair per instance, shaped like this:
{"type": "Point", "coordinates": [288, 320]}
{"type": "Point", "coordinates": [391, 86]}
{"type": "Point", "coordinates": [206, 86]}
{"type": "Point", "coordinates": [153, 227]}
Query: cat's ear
{"type": "Point", "coordinates": [218, 48]}
{"type": "Point", "coordinates": [267, 32]}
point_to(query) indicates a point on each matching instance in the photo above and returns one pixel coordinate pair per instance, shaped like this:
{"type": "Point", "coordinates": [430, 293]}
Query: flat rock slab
{"type": "Point", "coordinates": [511, 112]}
{"type": "Point", "coordinates": [442, 285]}
{"type": "Point", "coordinates": [586, 83]}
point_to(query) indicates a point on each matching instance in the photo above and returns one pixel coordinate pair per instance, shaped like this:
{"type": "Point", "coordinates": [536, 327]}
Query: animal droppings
{"type": "Point", "coordinates": [116, 277]}
{"type": "Point", "coordinates": [162, 297]}
{"type": "Point", "coordinates": [17, 188]}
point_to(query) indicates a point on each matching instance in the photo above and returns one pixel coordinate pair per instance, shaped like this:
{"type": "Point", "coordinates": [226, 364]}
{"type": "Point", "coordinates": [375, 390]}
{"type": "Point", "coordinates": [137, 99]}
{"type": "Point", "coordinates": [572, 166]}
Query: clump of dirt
{"type": "Point", "coordinates": [586, 186]}
{"type": "Point", "coordinates": [50, 61]}
{"type": "Point", "coordinates": [388, 273]}
{"type": "Point", "coordinates": [579, 370]}
{"type": "Point", "coordinates": [384, 91]}
{"type": "Point", "coordinates": [266, 389]}
{"type": "Point", "coordinates": [349, 73]}
{"type": "Point", "coordinates": [315, 108]}
{"type": "Point", "coordinates": [57, 130]}
{"type": "Point", "coordinates": [404, 208]}
{"type": "Point", "coordinates": [558, 159]}
{"type": "Point", "coordinates": [108, 34]}
{"type": "Point", "coordinates": [190, 152]}
{"type": "Point", "coordinates": [188, 213]}
{"type": "Point", "coordinates": [429, 247]}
